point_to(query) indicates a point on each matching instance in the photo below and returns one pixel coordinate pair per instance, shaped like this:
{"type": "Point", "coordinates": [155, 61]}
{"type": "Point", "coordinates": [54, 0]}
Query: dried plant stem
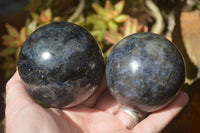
{"type": "Point", "coordinates": [156, 14]}
{"type": "Point", "coordinates": [171, 25]}
{"type": "Point", "coordinates": [77, 12]}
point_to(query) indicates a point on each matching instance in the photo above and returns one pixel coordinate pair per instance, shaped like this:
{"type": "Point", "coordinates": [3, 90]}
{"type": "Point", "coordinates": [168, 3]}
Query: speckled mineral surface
{"type": "Point", "coordinates": [145, 72]}
{"type": "Point", "coordinates": [61, 64]}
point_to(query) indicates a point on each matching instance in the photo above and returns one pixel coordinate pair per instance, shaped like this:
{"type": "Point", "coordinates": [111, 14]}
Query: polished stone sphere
{"type": "Point", "coordinates": [61, 64]}
{"type": "Point", "coordinates": [145, 72]}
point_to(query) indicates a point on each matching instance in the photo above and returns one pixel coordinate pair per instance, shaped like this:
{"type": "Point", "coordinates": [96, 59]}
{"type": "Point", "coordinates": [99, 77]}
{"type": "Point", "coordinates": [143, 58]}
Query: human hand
{"type": "Point", "coordinates": [99, 114]}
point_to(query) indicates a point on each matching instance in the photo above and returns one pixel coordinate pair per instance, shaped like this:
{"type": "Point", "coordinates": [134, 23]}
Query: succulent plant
{"type": "Point", "coordinates": [15, 39]}
{"type": "Point", "coordinates": [106, 18]}
{"type": "Point", "coordinates": [130, 26]}
{"type": "Point", "coordinates": [107, 24]}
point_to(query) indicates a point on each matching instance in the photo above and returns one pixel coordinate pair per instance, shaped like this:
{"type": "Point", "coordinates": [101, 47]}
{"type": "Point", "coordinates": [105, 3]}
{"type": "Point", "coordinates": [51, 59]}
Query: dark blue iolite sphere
{"type": "Point", "coordinates": [145, 72]}
{"type": "Point", "coordinates": [61, 64]}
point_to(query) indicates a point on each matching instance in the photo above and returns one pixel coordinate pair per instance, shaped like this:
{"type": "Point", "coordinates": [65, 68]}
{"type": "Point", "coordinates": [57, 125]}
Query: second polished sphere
{"type": "Point", "coordinates": [145, 72]}
{"type": "Point", "coordinates": [61, 64]}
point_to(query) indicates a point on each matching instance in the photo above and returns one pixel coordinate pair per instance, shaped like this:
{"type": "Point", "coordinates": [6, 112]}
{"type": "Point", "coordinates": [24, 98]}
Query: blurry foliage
{"type": "Point", "coordinates": [198, 6]}
{"type": "Point", "coordinates": [106, 18]}
{"type": "Point", "coordinates": [130, 26]}
{"type": "Point", "coordinates": [107, 24]}
{"type": "Point", "coordinates": [15, 39]}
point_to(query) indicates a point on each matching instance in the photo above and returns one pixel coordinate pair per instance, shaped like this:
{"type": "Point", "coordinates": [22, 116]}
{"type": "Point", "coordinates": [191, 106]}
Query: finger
{"type": "Point", "coordinates": [17, 99]}
{"type": "Point", "coordinates": [107, 103]}
{"type": "Point", "coordinates": [15, 91]}
{"type": "Point", "coordinates": [127, 117]}
{"type": "Point", "coordinates": [94, 98]}
{"type": "Point", "coordinates": [157, 121]}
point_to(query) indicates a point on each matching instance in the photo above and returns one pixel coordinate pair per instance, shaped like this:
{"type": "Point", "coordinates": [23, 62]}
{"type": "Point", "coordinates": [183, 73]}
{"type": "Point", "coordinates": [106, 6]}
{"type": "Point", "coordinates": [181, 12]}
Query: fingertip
{"type": "Point", "coordinates": [184, 98]}
{"type": "Point", "coordinates": [12, 80]}
{"type": "Point", "coordinates": [179, 102]}
{"type": "Point", "coordinates": [15, 90]}
{"type": "Point", "coordinates": [158, 120]}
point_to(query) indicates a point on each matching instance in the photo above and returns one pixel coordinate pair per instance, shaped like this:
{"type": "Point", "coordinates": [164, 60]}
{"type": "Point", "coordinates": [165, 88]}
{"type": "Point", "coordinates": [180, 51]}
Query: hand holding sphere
{"type": "Point", "coordinates": [61, 66]}
{"type": "Point", "coordinates": [145, 72]}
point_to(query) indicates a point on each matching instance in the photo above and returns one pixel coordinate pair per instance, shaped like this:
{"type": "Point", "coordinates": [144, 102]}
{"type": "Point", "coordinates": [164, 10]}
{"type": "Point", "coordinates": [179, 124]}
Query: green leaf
{"type": "Point", "coordinates": [98, 34]}
{"type": "Point", "coordinates": [112, 26]}
{"type": "Point", "coordinates": [121, 18]}
{"type": "Point", "coordinates": [46, 16]}
{"type": "Point", "coordinates": [105, 57]}
{"type": "Point", "coordinates": [17, 51]}
{"type": "Point", "coordinates": [35, 16]}
{"type": "Point", "coordinates": [14, 43]}
{"type": "Point", "coordinates": [23, 34]}
{"type": "Point", "coordinates": [7, 52]}
{"type": "Point", "coordinates": [7, 37]}
{"type": "Point", "coordinates": [113, 37]}
{"type": "Point", "coordinates": [127, 27]}
{"type": "Point", "coordinates": [56, 19]}
{"type": "Point", "coordinates": [28, 21]}
{"type": "Point", "coordinates": [98, 24]}
{"type": "Point", "coordinates": [119, 6]}
{"type": "Point", "coordinates": [81, 20]}
{"type": "Point", "coordinates": [12, 31]}
{"type": "Point", "coordinates": [92, 19]}
{"type": "Point", "coordinates": [31, 27]}
{"type": "Point", "coordinates": [99, 9]}
{"type": "Point", "coordinates": [108, 6]}
{"type": "Point", "coordinates": [134, 26]}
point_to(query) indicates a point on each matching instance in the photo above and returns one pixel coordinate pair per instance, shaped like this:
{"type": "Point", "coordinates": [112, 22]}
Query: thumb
{"type": "Point", "coordinates": [17, 99]}
{"type": "Point", "coordinates": [16, 92]}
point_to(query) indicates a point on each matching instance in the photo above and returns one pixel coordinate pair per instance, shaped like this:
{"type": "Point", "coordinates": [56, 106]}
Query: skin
{"type": "Point", "coordinates": [99, 114]}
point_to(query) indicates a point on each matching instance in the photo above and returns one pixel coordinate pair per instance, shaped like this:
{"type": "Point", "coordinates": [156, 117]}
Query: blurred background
{"type": "Point", "coordinates": [109, 21]}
